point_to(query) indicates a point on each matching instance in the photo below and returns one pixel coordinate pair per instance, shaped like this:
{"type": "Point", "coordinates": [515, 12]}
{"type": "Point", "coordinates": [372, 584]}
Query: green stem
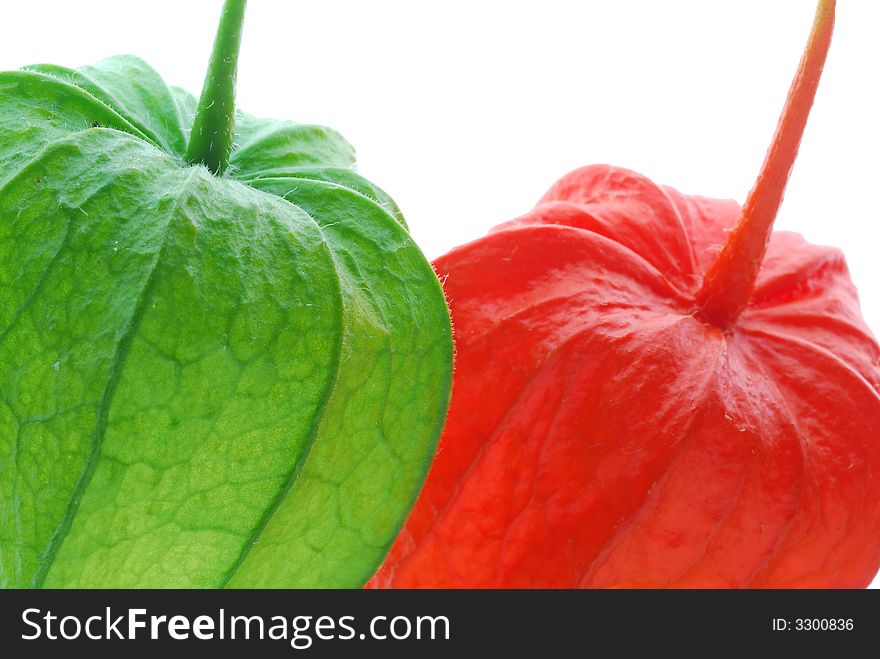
{"type": "Point", "coordinates": [210, 142]}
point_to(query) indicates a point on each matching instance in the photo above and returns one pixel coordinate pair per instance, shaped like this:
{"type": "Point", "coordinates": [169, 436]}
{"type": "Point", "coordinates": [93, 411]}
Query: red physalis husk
{"type": "Point", "coordinates": [652, 390]}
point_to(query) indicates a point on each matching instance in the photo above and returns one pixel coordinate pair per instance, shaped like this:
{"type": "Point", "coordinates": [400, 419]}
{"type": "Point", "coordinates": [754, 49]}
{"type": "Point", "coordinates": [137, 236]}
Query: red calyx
{"type": "Point", "coordinates": [633, 408]}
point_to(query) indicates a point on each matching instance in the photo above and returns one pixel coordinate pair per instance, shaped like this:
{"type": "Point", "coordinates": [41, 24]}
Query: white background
{"type": "Point", "coordinates": [467, 111]}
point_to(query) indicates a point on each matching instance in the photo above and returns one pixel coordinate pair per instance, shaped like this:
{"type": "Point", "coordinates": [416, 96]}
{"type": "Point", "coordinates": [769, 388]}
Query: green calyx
{"type": "Point", "coordinates": [205, 381]}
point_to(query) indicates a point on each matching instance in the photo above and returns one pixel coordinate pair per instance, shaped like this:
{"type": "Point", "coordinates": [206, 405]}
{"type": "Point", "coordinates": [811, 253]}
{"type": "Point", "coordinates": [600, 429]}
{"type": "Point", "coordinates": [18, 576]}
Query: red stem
{"type": "Point", "coordinates": [730, 280]}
